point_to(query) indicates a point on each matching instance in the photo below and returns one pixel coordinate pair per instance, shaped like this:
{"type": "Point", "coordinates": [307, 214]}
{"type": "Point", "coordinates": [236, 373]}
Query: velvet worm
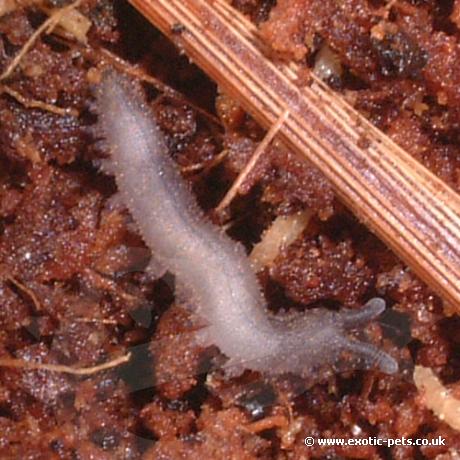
{"type": "Point", "coordinates": [212, 271]}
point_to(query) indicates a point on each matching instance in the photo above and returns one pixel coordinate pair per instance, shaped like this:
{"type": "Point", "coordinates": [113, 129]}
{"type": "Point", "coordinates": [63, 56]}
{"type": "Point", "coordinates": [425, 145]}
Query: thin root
{"type": "Point", "coordinates": [46, 27]}
{"type": "Point", "coordinates": [21, 364]}
{"type": "Point", "coordinates": [27, 290]}
{"type": "Point", "coordinates": [233, 191]}
{"type": "Point", "coordinates": [139, 74]}
{"type": "Point", "coordinates": [111, 322]}
{"type": "Point", "coordinates": [35, 104]}
{"type": "Point", "coordinates": [206, 165]}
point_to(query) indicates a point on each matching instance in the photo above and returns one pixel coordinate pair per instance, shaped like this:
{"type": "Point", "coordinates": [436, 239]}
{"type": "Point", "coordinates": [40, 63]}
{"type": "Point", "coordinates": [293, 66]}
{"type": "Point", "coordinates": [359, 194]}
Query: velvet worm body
{"type": "Point", "coordinates": [211, 269]}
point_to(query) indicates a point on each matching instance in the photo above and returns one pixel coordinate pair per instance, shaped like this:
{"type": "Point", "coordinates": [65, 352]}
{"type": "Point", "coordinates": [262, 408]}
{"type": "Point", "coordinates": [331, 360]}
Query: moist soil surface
{"type": "Point", "coordinates": [73, 287]}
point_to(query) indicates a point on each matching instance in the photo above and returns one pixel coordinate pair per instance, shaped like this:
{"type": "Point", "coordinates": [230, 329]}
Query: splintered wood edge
{"type": "Point", "coordinates": [402, 202]}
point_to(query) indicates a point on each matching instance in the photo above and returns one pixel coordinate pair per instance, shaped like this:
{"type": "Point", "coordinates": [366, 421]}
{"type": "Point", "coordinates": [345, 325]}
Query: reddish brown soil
{"type": "Point", "coordinates": [72, 287]}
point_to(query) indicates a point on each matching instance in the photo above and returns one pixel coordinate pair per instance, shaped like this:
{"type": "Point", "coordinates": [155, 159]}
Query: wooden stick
{"type": "Point", "coordinates": [408, 207]}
